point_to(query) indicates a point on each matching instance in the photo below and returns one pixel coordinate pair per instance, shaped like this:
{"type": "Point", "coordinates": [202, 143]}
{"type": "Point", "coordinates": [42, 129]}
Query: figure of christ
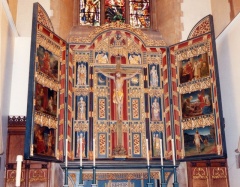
{"type": "Point", "coordinates": [118, 91]}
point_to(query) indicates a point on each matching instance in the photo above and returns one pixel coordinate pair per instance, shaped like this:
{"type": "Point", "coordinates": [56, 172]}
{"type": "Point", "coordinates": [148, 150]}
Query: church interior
{"type": "Point", "coordinates": [119, 93]}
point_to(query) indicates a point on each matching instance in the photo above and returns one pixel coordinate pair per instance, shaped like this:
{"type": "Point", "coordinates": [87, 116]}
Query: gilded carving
{"type": "Point", "coordinates": [219, 173]}
{"type": "Point", "coordinates": [200, 173]}
{"type": "Point", "coordinates": [116, 25]}
{"type": "Point", "coordinates": [45, 120]}
{"type": "Point", "coordinates": [46, 81]}
{"type": "Point", "coordinates": [198, 122]}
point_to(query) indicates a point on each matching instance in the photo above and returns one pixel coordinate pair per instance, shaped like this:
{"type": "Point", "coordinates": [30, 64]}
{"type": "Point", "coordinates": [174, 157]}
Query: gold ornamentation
{"type": "Point", "coordinates": [198, 122]}
{"type": "Point", "coordinates": [219, 149]}
{"type": "Point", "coordinates": [81, 91]}
{"type": "Point", "coordinates": [116, 25]}
{"type": "Point", "coordinates": [155, 92]}
{"type": "Point", "coordinates": [46, 81]}
{"type": "Point", "coordinates": [49, 44]}
{"type": "Point", "coordinates": [45, 120]}
{"type": "Point", "coordinates": [38, 175]}
{"type": "Point", "coordinates": [157, 126]}
{"type": "Point", "coordinates": [83, 56]}
{"type": "Point", "coordinates": [80, 126]}
{"type": "Point", "coordinates": [200, 173]}
{"type": "Point", "coordinates": [219, 173]}
{"type": "Point", "coordinates": [201, 28]}
{"type": "Point", "coordinates": [194, 50]}
{"type": "Point", "coordinates": [43, 18]}
{"type": "Point", "coordinates": [200, 84]}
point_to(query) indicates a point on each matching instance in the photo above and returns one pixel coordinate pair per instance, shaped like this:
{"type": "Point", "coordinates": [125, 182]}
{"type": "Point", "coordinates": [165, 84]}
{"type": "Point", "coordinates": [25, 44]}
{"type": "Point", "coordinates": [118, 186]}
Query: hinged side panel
{"type": "Point", "coordinates": [196, 102]}
{"type": "Point", "coordinates": [46, 98]}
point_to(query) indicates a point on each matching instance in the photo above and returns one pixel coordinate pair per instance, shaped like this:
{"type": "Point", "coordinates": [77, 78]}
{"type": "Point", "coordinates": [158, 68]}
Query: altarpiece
{"type": "Point", "coordinates": [120, 88]}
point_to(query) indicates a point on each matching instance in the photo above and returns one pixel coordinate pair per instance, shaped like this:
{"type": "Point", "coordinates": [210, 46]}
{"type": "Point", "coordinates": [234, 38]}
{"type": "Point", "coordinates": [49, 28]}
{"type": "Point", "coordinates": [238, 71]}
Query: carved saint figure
{"type": "Point", "coordinates": [153, 77]}
{"type": "Point", "coordinates": [155, 110]}
{"type": "Point", "coordinates": [81, 109]}
{"type": "Point", "coordinates": [81, 75]}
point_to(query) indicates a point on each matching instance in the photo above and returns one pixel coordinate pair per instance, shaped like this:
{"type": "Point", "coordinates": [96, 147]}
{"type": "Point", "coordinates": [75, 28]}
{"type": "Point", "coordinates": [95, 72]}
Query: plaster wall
{"type": "Point", "coordinates": [193, 11]}
{"type": "Point", "coordinates": [228, 45]}
{"type": "Point", "coordinates": [7, 39]}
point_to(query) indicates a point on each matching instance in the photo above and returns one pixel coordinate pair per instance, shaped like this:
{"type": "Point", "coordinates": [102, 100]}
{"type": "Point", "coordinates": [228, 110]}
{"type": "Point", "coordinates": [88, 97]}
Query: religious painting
{"type": "Point", "coordinates": [82, 74]}
{"type": "Point", "coordinates": [44, 141]}
{"type": "Point", "coordinates": [115, 11]}
{"type": "Point", "coordinates": [155, 108]}
{"type": "Point", "coordinates": [194, 68]}
{"type": "Point", "coordinates": [45, 108]}
{"type": "Point", "coordinates": [135, 81]}
{"type": "Point", "coordinates": [140, 13]}
{"type": "Point", "coordinates": [46, 100]}
{"type": "Point", "coordinates": [47, 63]}
{"type": "Point", "coordinates": [102, 81]}
{"type": "Point", "coordinates": [156, 136]}
{"type": "Point", "coordinates": [78, 136]}
{"type": "Point", "coordinates": [101, 57]}
{"type": "Point", "coordinates": [90, 12]}
{"type": "Point", "coordinates": [154, 77]}
{"type": "Point", "coordinates": [134, 58]}
{"type": "Point", "coordinates": [200, 141]}
{"type": "Point", "coordinates": [197, 103]}
{"type": "Point", "coordinates": [81, 107]}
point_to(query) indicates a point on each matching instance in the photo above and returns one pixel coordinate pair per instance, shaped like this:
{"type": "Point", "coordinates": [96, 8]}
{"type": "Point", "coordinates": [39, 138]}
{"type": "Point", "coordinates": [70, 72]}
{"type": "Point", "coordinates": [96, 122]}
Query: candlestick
{"type": "Point", "coordinates": [147, 152]}
{"type": "Point", "coordinates": [66, 155]}
{"type": "Point", "coordinates": [161, 152]}
{"type": "Point", "coordinates": [173, 153]}
{"type": "Point", "coordinates": [81, 151]}
{"type": "Point", "coordinates": [19, 167]}
{"type": "Point", "coordinates": [94, 152]}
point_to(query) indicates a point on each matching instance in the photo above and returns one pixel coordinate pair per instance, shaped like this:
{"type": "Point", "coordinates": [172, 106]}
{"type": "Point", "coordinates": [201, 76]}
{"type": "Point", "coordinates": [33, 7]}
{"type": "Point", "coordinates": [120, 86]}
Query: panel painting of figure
{"type": "Point", "coordinates": [47, 62]}
{"type": "Point", "coordinates": [194, 68]}
{"type": "Point", "coordinates": [46, 100]}
{"type": "Point", "coordinates": [199, 141]}
{"type": "Point", "coordinates": [44, 141]}
{"type": "Point", "coordinates": [197, 103]}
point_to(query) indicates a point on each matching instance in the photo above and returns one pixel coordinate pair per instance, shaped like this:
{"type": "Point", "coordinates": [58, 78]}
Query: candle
{"type": "Point", "coordinates": [19, 167]}
{"type": "Point", "coordinates": [161, 152]}
{"type": "Point", "coordinates": [173, 153]}
{"type": "Point", "coordinates": [93, 152]}
{"type": "Point", "coordinates": [147, 152]}
{"type": "Point", "coordinates": [66, 155]}
{"type": "Point", "coordinates": [81, 151]}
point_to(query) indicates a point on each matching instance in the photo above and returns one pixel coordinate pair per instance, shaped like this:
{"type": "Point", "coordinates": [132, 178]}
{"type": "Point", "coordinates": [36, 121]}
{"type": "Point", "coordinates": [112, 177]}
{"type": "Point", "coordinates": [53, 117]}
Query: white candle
{"type": "Point", "coordinates": [93, 152]}
{"type": "Point", "coordinates": [161, 152]}
{"type": "Point", "coordinates": [147, 152]}
{"type": "Point", "coordinates": [19, 167]}
{"type": "Point", "coordinates": [173, 153]}
{"type": "Point", "coordinates": [81, 151]}
{"type": "Point", "coordinates": [66, 156]}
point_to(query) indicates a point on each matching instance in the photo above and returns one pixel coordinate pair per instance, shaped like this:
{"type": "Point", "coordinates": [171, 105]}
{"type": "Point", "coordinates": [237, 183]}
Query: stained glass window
{"type": "Point", "coordinates": [90, 12]}
{"type": "Point", "coordinates": [135, 12]}
{"type": "Point", "coordinates": [114, 10]}
{"type": "Point", "coordinates": [139, 13]}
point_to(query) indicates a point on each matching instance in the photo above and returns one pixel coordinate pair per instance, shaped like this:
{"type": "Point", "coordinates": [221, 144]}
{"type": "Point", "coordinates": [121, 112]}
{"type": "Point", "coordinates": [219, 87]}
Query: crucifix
{"type": "Point", "coordinates": [118, 93]}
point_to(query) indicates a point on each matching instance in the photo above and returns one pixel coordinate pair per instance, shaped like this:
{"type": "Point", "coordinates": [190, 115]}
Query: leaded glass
{"type": "Point", "coordinates": [114, 10]}
{"type": "Point", "coordinates": [140, 13]}
{"type": "Point", "coordinates": [90, 12]}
